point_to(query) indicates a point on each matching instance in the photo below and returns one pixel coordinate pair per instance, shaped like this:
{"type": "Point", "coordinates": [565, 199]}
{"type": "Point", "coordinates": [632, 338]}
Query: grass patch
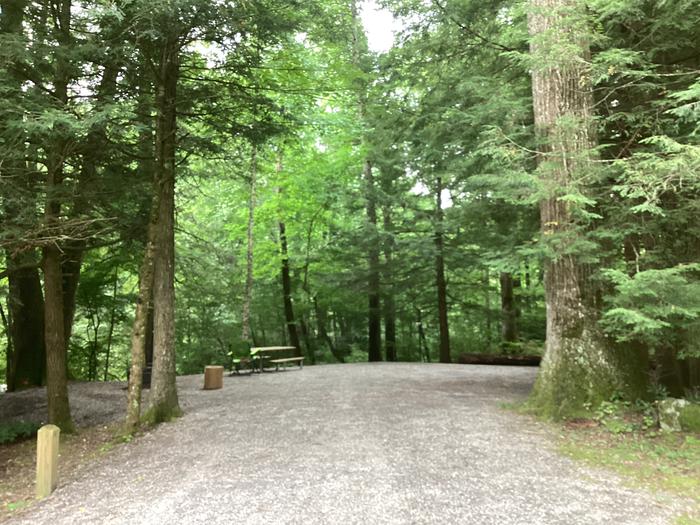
{"type": "Point", "coordinates": [624, 438]}
{"type": "Point", "coordinates": [653, 460]}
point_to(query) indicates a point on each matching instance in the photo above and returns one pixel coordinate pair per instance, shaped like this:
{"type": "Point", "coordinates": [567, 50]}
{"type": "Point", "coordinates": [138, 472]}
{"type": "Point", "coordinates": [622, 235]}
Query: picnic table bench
{"type": "Point", "coordinates": [263, 353]}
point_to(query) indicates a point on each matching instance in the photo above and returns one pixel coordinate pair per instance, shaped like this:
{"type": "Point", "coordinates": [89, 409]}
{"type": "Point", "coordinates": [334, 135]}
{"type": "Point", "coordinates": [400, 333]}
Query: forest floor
{"type": "Point", "coordinates": [362, 443]}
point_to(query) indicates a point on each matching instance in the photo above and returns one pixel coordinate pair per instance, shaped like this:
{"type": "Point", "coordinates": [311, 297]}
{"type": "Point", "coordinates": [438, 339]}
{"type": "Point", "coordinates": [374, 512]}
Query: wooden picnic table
{"type": "Point", "coordinates": [260, 353]}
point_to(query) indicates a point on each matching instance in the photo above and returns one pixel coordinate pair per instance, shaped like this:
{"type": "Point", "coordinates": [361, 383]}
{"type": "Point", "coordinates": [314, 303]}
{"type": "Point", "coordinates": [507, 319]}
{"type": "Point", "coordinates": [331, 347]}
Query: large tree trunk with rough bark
{"type": "Point", "coordinates": [578, 367]}
{"type": "Point", "coordinates": [54, 318]}
{"type": "Point", "coordinates": [164, 404]}
{"type": "Point", "coordinates": [141, 326]}
{"type": "Point", "coordinates": [26, 364]}
{"type": "Point", "coordinates": [440, 282]}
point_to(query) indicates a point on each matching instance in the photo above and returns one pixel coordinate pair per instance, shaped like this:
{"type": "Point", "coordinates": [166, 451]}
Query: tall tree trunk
{"type": "Point", "coordinates": [248, 294]}
{"type": "Point", "coordinates": [289, 319]}
{"type": "Point", "coordinates": [374, 328]}
{"type": "Point", "coordinates": [54, 321]}
{"type": "Point", "coordinates": [389, 289]}
{"type": "Point", "coordinates": [26, 311]}
{"type": "Point", "coordinates": [577, 368]}
{"type": "Point", "coordinates": [373, 283]}
{"type": "Point", "coordinates": [509, 311]}
{"type": "Point", "coordinates": [147, 169]}
{"type": "Point", "coordinates": [164, 403]}
{"type": "Point", "coordinates": [148, 367]}
{"type": "Point", "coordinates": [440, 282]}
{"type": "Point", "coordinates": [285, 274]}
{"type": "Point", "coordinates": [141, 326]}
{"type": "Point", "coordinates": [56, 369]}
{"type": "Point", "coordinates": [26, 362]}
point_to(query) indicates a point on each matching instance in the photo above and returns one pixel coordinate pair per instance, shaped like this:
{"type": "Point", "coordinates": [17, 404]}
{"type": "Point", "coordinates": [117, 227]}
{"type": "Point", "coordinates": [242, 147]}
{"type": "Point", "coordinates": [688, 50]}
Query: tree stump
{"type": "Point", "coordinates": [213, 377]}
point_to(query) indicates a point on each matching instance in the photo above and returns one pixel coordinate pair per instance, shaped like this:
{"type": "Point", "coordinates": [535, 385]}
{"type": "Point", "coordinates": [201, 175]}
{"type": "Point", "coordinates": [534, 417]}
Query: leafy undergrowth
{"type": "Point", "coordinates": [17, 431]}
{"type": "Point", "coordinates": [656, 461]}
{"type": "Point", "coordinates": [17, 465]}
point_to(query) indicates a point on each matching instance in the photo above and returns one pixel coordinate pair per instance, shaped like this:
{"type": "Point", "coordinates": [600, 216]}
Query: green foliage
{"type": "Point", "coordinates": [17, 430]}
{"type": "Point", "coordinates": [652, 305]}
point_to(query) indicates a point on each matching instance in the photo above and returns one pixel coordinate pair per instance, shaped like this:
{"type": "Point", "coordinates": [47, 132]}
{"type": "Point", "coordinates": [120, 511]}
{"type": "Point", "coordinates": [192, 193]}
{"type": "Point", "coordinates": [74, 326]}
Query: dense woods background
{"type": "Point", "coordinates": [508, 172]}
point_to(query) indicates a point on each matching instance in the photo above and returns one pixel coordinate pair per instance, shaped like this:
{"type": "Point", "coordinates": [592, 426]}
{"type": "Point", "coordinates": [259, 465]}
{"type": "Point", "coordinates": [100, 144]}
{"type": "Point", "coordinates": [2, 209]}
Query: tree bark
{"type": "Point", "coordinates": [248, 294]}
{"type": "Point", "coordinates": [54, 320]}
{"type": "Point", "coordinates": [26, 363]}
{"type": "Point", "coordinates": [577, 368]}
{"type": "Point", "coordinates": [289, 319]}
{"type": "Point", "coordinates": [27, 367]}
{"type": "Point", "coordinates": [164, 404]}
{"type": "Point", "coordinates": [440, 282]}
{"type": "Point", "coordinates": [140, 328]}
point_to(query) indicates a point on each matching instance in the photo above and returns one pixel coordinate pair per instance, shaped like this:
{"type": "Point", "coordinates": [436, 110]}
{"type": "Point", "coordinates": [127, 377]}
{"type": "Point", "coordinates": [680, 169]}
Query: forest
{"type": "Point", "coordinates": [181, 180]}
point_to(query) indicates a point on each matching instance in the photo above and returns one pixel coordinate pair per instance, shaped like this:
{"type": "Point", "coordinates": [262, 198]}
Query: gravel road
{"type": "Point", "coordinates": [345, 444]}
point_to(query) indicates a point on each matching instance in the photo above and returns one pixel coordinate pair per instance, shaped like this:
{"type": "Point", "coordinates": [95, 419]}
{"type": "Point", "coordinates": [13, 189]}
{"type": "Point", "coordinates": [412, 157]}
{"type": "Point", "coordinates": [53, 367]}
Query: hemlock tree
{"type": "Point", "coordinates": [25, 317]}
{"type": "Point", "coordinates": [361, 62]}
{"type": "Point", "coordinates": [578, 366]}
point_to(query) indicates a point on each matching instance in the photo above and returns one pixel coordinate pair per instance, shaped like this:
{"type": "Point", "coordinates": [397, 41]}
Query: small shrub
{"type": "Point", "coordinates": [690, 418]}
{"type": "Point", "coordinates": [17, 430]}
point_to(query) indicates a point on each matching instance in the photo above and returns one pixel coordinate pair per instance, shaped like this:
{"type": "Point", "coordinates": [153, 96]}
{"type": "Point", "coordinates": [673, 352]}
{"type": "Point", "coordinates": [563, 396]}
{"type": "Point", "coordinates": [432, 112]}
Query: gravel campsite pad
{"type": "Point", "coordinates": [339, 444]}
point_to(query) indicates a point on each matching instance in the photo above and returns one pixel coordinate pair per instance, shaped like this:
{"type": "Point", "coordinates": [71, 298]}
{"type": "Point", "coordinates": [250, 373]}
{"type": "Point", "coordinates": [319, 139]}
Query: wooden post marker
{"type": "Point", "coordinates": [213, 377]}
{"type": "Point", "coordinates": [46, 460]}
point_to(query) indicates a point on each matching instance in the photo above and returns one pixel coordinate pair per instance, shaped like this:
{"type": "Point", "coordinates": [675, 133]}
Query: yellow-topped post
{"type": "Point", "coordinates": [47, 460]}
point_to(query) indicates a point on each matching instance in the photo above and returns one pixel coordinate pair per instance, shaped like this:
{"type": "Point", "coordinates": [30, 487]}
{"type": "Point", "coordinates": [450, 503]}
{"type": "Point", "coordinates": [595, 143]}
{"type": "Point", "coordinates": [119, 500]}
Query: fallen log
{"type": "Point", "coordinates": [495, 359]}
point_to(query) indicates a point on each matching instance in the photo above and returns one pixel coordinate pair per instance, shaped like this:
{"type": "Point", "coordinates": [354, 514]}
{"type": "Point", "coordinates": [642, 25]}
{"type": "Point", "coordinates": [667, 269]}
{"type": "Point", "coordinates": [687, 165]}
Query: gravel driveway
{"type": "Point", "coordinates": [342, 444]}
